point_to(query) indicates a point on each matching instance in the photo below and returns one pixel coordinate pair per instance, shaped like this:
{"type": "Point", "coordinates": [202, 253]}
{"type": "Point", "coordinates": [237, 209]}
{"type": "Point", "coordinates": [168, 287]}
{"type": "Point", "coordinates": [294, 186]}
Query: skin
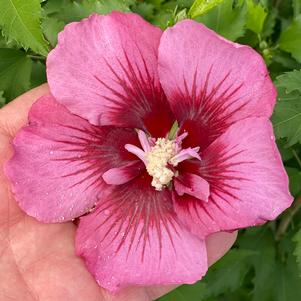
{"type": "Point", "coordinates": [37, 261]}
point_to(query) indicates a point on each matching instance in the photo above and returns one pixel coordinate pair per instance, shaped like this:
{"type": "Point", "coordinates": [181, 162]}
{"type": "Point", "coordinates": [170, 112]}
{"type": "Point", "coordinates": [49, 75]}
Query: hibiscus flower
{"type": "Point", "coordinates": [155, 140]}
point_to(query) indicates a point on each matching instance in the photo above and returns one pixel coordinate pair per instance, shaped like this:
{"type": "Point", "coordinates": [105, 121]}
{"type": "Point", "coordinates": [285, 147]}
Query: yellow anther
{"type": "Point", "coordinates": [157, 159]}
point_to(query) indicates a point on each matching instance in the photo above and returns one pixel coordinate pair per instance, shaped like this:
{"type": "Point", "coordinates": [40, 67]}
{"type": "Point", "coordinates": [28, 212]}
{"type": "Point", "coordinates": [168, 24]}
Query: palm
{"type": "Point", "coordinates": [37, 261]}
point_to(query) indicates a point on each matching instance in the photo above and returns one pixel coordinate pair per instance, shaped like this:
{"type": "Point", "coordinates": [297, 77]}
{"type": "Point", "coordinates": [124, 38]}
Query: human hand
{"type": "Point", "coordinates": [38, 261]}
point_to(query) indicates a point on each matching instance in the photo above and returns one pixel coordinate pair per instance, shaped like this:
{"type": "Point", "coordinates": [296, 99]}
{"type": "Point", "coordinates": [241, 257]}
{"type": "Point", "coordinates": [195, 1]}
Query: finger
{"type": "Point", "coordinates": [14, 115]}
{"type": "Point", "coordinates": [9, 210]}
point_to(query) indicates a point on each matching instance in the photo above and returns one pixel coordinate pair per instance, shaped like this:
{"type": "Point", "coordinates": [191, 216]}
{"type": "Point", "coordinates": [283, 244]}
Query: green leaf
{"type": "Point", "coordinates": [146, 10]}
{"type": "Point", "coordinates": [287, 113]}
{"type": "Point", "coordinates": [38, 74]}
{"type": "Point", "coordinates": [297, 251]}
{"type": "Point", "coordinates": [261, 241]}
{"type": "Point", "coordinates": [20, 21]}
{"type": "Point", "coordinates": [286, 152]}
{"type": "Point", "coordinates": [234, 263]}
{"type": "Point", "coordinates": [291, 81]}
{"type": "Point", "coordinates": [2, 99]}
{"type": "Point", "coordinates": [297, 7]}
{"type": "Point", "coordinates": [226, 19]}
{"type": "Point", "coordinates": [194, 292]}
{"type": "Point", "coordinates": [290, 39]}
{"type": "Point", "coordinates": [51, 28]}
{"type": "Point", "coordinates": [269, 24]}
{"type": "Point", "coordinates": [294, 180]}
{"type": "Point", "coordinates": [201, 7]}
{"type": "Point", "coordinates": [15, 69]}
{"type": "Point", "coordinates": [177, 16]}
{"type": "Point", "coordinates": [288, 282]}
{"type": "Point", "coordinates": [285, 60]}
{"type": "Point", "coordinates": [76, 10]}
{"type": "Point", "coordinates": [255, 17]}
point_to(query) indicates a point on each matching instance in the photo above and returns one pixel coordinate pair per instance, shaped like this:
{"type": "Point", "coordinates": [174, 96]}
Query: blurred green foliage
{"type": "Point", "coordinates": [265, 263]}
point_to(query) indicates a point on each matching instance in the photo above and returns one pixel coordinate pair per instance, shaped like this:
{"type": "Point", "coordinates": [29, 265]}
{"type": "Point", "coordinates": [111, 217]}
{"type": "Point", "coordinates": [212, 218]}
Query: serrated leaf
{"type": "Point", "coordinates": [290, 39]}
{"type": "Point", "coordinates": [201, 7]}
{"type": "Point", "coordinates": [261, 241]}
{"type": "Point", "coordinates": [226, 19]}
{"type": "Point", "coordinates": [15, 69]}
{"type": "Point", "coordinates": [51, 28]}
{"type": "Point", "coordinates": [287, 114]}
{"type": "Point", "coordinates": [7, 43]}
{"type": "Point", "coordinates": [291, 81]}
{"type": "Point", "coordinates": [234, 263]}
{"type": "Point", "coordinates": [2, 99]}
{"type": "Point", "coordinates": [20, 21]}
{"type": "Point", "coordinates": [255, 17]}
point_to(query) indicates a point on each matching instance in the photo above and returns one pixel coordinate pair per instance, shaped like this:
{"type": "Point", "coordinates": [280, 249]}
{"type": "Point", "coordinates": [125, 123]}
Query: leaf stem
{"type": "Point", "coordinates": [296, 5]}
{"type": "Point", "coordinates": [284, 224]}
{"type": "Point", "coordinates": [36, 57]}
{"type": "Point", "coordinates": [277, 3]}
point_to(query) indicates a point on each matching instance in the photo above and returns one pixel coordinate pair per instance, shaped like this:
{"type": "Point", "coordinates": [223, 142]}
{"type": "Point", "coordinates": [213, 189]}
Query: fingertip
{"type": "Point", "coordinates": [218, 244]}
{"type": "Point", "coordinates": [14, 115]}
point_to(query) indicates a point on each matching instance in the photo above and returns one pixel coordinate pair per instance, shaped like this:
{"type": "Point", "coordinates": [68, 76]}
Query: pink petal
{"type": "Point", "coordinates": [248, 183]}
{"type": "Point", "coordinates": [121, 175]}
{"type": "Point", "coordinates": [104, 69]}
{"type": "Point", "coordinates": [59, 158]}
{"type": "Point", "coordinates": [134, 238]}
{"type": "Point", "coordinates": [193, 185]}
{"type": "Point", "coordinates": [211, 82]}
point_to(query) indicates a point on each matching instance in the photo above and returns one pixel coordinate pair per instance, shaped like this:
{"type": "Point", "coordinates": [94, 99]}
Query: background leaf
{"type": "Point", "coordinates": [262, 242]}
{"type": "Point", "coordinates": [20, 21]}
{"type": "Point", "coordinates": [235, 264]}
{"type": "Point", "coordinates": [290, 39]}
{"type": "Point", "coordinates": [200, 7]}
{"type": "Point", "coordinates": [15, 70]}
{"type": "Point", "coordinates": [295, 180]}
{"type": "Point", "coordinates": [297, 251]}
{"type": "Point", "coordinates": [288, 283]}
{"type": "Point", "coordinates": [51, 28]}
{"type": "Point", "coordinates": [291, 81]}
{"type": "Point", "coordinates": [287, 114]}
{"type": "Point", "coordinates": [228, 19]}
{"type": "Point", "coordinates": [38, 74]}
{"type": "Point", "coordinates": [69, 11]}
{"type": "Point", "coordinates": [255, 17]}
{"type": "Point", "coordinates": [194, 292]}
{"type": "Point", "coordinates": [2, 99]}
